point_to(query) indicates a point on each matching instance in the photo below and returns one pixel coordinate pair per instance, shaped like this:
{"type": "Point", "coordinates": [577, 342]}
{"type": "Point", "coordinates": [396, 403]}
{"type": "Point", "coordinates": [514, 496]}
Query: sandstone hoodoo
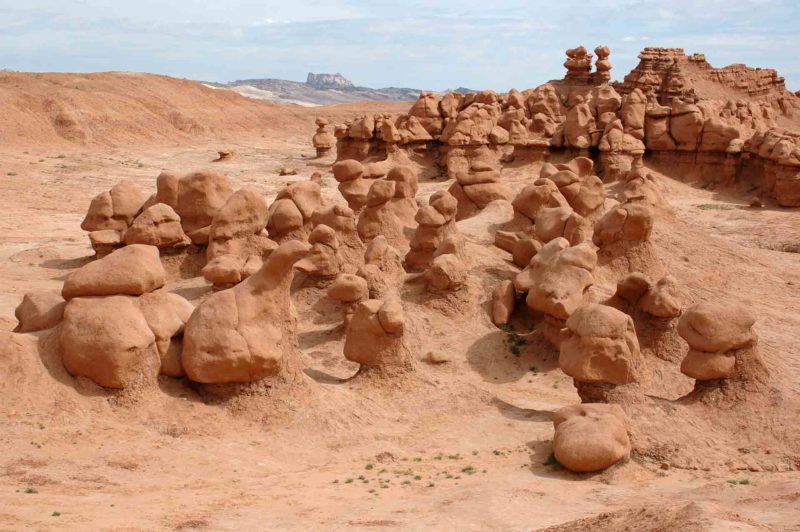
{"type": "Point", "coordinates": [323, 140]}
{"type": "Point", "coordinates": [323, 260]}
{"type": "Point", "coordinates": [722, 344]}
{"type": "Point", "coordinates": [290, 213]}
{"type": "Point", "coordinates": [237, 240]}
{"type": "Point", "coordinates": [436, 222]}
{"type": "Point", "coordinates": [599, 349]}
{"type": "Point", "coordinates": [556, 281]}
{"type": "Point", "coordinates": [349, 290]}
{"type": "Point", "coordinates": [673, 108]}
{"type": "Point", "coordinates": [375, 337]}
{"type": "Point", "coordinates": [590, 437]}
{"type": "Point", "coordinates": [248, 332]}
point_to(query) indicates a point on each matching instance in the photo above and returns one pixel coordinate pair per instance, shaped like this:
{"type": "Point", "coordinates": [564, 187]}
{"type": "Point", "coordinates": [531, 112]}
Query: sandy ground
{"type": "Point", "coordinates": [457, 446]}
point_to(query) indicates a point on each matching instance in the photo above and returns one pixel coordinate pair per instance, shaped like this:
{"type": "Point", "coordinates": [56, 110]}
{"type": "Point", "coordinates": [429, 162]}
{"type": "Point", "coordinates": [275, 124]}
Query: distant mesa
{"type": "Point", "coordinates": [328, 81]}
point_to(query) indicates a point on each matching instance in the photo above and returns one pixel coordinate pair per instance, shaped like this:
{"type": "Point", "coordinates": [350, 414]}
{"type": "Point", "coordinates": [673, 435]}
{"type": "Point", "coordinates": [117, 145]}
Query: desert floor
{"type": "Point", "coordinates": [457, 446]}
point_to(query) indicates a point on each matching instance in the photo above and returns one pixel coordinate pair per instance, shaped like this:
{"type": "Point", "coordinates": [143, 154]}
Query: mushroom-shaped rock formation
{"type": "Point", "coordinates": [623, 236]}
{"type": "Point", "coordinates": [39, 310]}
{"type": "Point", "coordinates": [590, 437]}
{"type": "Point", "coordinates": [341, 219]}
{"type": "Point", "coordinates": [557, 277]}
{"type": "Point", "coordinates": [602, 64]}
{"type": "Point", "coordinates": [562, 222]}
{"type": "Point", "coordinates": [446, 273]}
{"type": "Point", "coordinates": [352, 184]}
{"type": "Point", "coordinates": [119, 341]}
{"type": "Point", "coordinates": [114, 209]}
{"type": "Point", "coordinates": [200, 195]}
{"type": "Point", "coordinates": [629, 221]}
{"type": "Point", "coordinates": [323, 261]}
{"type": "Point", "coordinates": [349, 290]}
{"type": "Point", "coordinates": [503, 301]}
{"type": "Point", "coordinates": [475, 190]}
{"type": "Point", "coordinates": [322, 140]}
{"type": "Point", "coordinates": [641, 186]}
{"type": "Point", "coordinates": [426, 110]}
{"type": "Point", "coordinates": [606, 102]}
{"type": "Point", "coordinates": [132, 270]}
{"type": "Point", "coordinates": [248, 332]}
{"type": "Point", "coordinates": [107, 340]}
{"type": "Point", "coordinates": [659, 300]}
{"type": "Point", "coordinates": [618, 149]}
{"type": "Point", "coordinates": [556, 280]}
{"type": "Point", "coordinates": [436, 222]}
{"type": "Point", "coordinates": [290, 213]}
{"type": "Point", "coordinates": [403, 203]}
{"type": "Point", "coordinates": [158, 225]}
{"type": "Point", "coordinates": [662, 299]}
{"type": "Point", "coordinates": [542, 193]}
{"type": "Point", "coordinates": [578, 64]}
{"type": "Point", "coordinates": [721, 343]}
{"type": "Point", "coordinates": [379, 217]}
{"type": "Point", "coordinates": [375, 337]}
{"type": "Point", "coordinates": [600, 347]}
{"type": "Point", "coordinates": [576, 182]}
{"type": "Point", "coordinates": [383, 268]}
{"type": "Point", "coordinates": [237, 240]}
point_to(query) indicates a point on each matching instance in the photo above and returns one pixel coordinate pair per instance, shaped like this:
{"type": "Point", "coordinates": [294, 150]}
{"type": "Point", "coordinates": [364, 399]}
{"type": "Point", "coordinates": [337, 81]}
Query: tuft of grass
{"type": "Point", "coordinates": [11, 174]}
{"type": "Point", "coordinates": [417, 477]}
{"type": "Point", "coordinates": [512, 340]}
{"type": "Point", "coordinates": [31, 490]}
{"type": "Point", "coordinates": [348, 481]}
{"type": "Point", "coordinates": [55, 514]}
{"type": "Point", "coordinates": [469, 470]}
{"type": "Point", "coordinates": [551, 461]}
{"type": "Point", "coordinates": [714, 207]}
{"type": "Point", "coordinates": [369, 466]}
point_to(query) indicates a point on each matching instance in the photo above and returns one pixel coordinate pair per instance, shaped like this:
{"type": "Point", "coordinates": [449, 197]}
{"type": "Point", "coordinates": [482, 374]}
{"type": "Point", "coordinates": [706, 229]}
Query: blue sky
{"type": "Point", "coordinates": [419, 43]}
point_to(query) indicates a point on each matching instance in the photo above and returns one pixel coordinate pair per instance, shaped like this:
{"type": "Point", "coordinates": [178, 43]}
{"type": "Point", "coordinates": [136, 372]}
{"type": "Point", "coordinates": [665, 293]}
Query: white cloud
{"type": "Point", "coordinates": [421, 43]}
